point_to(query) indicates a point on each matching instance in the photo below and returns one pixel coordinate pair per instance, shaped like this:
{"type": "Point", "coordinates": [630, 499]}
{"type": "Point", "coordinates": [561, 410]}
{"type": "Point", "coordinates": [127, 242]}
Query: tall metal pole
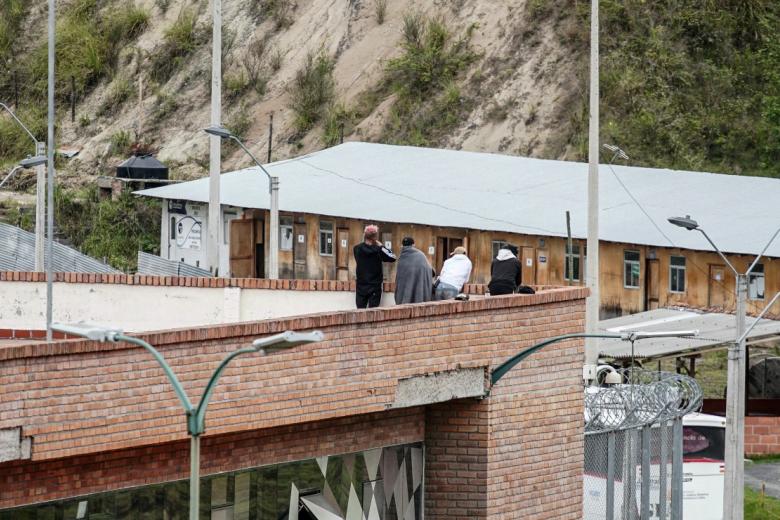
{"type": "Point", "coordinates": [592, 303]}
{"type": "Point", "coordinates": [273, 239]}
{"type": "Point", "coordinates": [733, 497]}
{"type": "Point", "coordinates": [194, 477]}
{"type": "Point", "coordinates": [570, 247]}
{"type": "Point", "coordinates": [40, 209]}
{"type": "Point", "coordinates": [214, 141]}
{"type": "Point", "coordinates": [50, 179]}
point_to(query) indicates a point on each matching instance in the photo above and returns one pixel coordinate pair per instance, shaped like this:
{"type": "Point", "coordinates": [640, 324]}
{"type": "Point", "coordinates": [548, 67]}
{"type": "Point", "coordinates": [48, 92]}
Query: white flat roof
{"type": "Point", "coordinates": [403, 184]}
{"type": "Point", "coordinates": [715, 331]}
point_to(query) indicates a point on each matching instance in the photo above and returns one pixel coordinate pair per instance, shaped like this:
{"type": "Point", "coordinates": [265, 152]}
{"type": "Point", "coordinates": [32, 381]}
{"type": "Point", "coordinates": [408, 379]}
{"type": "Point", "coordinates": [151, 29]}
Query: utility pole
{"type": "Point", "coordinates": [570, 247]}
{"type": "Point", "coordinates": [734, 459]}
{"type": "Point", "coordinates": [270, 136]}
{"type": "Point", "coordinates": [215, 162]}
{"type": "Point", "coordinates": [593, 302]}
{"type": "Point", "coordinates": [50, 179]}
{"type": "Point", "coordinates": [40, 208]}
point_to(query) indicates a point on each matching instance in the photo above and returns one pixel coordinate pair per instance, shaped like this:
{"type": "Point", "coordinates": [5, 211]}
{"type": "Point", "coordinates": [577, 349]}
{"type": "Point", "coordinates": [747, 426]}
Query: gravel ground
{"type": "Point", "coordinates": [768, 473]}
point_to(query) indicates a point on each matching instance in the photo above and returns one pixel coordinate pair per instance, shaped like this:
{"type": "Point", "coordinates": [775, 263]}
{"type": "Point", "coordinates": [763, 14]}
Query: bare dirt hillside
{"type": "Point", "coordinates": [518, 93]}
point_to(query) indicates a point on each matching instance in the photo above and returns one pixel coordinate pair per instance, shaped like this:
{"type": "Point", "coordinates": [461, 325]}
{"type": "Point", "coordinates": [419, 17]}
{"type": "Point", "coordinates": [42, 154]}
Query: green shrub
{"type": "Point", "coordinates": [112, 229]}
{"type": "Point", "coordinates": [380, 11]}
{"type": "Point", "coordinates": [179, 41]}
{"type": "Point", "coordinates": [338, 116]}
{"type": "Point", "coordinates": [166, 105]}
{"type": "Point", "coordinates": [121, 143]}
{"type": "Point", "coordinates": [275, 59]}
{"type": "Point", "coordinates": [15, 144]}
{"type": "Point", "coordinates": [119, 91]}
{"type": "Point", "coordinates": [238, 122]}
{"type": "Point", "coordinates": [312, 90]}
{"type": "Point", "coordinates": [235, 84]}
{"type": "Point", "coordinates": [429, 102]}
{"type": "Point", "coordinates": [279, 11]}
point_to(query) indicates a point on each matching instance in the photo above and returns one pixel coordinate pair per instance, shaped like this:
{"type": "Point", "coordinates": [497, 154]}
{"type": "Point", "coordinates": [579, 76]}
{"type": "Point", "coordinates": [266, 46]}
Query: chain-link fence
{"type": "Point", "coordinates": [633, 446]}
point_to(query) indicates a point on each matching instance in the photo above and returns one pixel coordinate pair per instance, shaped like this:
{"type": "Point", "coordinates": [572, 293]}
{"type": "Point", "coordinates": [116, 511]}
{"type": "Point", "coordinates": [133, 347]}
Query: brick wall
{"type": "Point", "coordinates": [83, 399]}
{"type": "Point", "coordinates": [24, 483]}
{"type": "Point", "coordinates": [762, 435]}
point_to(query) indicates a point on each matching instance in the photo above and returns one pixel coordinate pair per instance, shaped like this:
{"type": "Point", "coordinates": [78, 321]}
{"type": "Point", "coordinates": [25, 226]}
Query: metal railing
{"type": "Point", "coordinates": [634, 446]}
{"type": "Point", "coordinates": [156, 265]}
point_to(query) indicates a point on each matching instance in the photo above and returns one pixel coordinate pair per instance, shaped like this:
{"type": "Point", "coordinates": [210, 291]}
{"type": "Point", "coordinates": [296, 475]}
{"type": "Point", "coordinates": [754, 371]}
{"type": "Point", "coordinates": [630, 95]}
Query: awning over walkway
{"type": "Point", "coordinates": [716, 330]}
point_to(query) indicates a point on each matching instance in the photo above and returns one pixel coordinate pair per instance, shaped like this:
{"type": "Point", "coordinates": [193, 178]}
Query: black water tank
{"type": "Point", "coordinates": [142, 167]}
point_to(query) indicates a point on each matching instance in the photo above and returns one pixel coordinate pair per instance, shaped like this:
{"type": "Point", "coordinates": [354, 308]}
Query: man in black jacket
{"type": "Point", "coordinates": [505, 272]}
{"type": "Point", "coordinates": [369, 256]}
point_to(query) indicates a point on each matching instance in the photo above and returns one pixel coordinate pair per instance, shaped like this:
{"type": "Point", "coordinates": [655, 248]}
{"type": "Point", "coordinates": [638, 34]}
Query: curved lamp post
{"type": "Point", "coordinates": [500, 371]}
{"type": "Point", "coordinates": [30, 162]}
{"type": "Point", "coordinates": [273, 189]}
{"type": "Point", "coordinates": [40, 151]}
{"type": "Point", "coordinates": [196, 414]}
{"type": "Point", "coordinates": [734, 492]}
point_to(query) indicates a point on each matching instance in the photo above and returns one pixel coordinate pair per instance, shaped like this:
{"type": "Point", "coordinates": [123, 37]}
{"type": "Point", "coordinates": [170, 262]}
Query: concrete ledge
{"type": "Point", "coordinates": [438, 387]}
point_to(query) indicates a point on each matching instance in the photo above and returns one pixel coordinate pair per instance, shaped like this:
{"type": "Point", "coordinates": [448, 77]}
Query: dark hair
{"type": "Point", "coordinates": [512, 248]}
{"type": "Point", "coordinates": [407, 241]}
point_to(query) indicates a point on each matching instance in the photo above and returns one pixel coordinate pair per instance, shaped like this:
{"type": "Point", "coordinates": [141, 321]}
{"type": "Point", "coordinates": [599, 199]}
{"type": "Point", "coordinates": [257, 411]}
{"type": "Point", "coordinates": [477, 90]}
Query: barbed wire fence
{"type": "Point", "coordinates": [634, 443]}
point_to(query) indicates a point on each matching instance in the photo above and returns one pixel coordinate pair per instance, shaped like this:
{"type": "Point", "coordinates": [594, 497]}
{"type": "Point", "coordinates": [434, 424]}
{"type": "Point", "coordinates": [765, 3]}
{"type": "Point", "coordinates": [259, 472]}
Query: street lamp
{"type": "Point", "coordinates": [29, 162]}
{"type": "Point", "coordinates": [273, 189]}
{"type": "Point", "coordinates": [196, 414]}
{"type": "Point", "coordinates": [733, 496]}
{"type": "Point", "coordinates": [40, 191]}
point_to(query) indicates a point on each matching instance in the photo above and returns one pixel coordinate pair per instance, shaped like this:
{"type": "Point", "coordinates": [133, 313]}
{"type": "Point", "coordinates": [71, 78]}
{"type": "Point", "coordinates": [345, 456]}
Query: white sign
{"type": "Point", "coordinates": [431, 250]}
{"type": "Point", "coordinates": [188, 232]}
{"type": "Point", "coordinates": [300, 239]}
{"type": "Point", "coordinates": [343, 243]}
{"type": "Point", "coordinates": [389, 245]}
{"type": "Point", "coordinates": [529, 262]}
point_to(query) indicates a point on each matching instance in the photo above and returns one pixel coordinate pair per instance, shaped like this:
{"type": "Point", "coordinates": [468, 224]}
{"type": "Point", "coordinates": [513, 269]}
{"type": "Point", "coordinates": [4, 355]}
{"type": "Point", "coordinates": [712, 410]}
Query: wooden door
{"type": "Point", "coordinates": [342, 254]}
{"type": "Point", "coordinates": [300, 250]}
{"type": "Point", "coordinates": [528, 260]}
{"type": "Point", "coordinates": [445, 246]}
{"type": "Point", "coordinates": [242, 248]}
{"type": "Point", "coordinates": [542, 263]}
{"type": "Point", "coordinates": [652, 283]}
{"type": "Point", "coordinates": [717, 286]}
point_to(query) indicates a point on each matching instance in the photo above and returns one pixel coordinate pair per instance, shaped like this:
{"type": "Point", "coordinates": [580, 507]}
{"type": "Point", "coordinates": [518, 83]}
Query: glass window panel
{"type": "Point", "coordinates": [756, 283]}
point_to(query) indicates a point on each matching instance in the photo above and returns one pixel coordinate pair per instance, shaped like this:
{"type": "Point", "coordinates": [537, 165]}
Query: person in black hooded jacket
{"type": "Point", "coordinates": [369, 256]}
{"type": "Point", "coordinates": [506, 273]}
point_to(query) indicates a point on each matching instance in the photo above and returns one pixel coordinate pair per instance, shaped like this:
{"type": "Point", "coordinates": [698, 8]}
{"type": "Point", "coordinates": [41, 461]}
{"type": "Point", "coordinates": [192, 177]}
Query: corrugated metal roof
{"type": "Point", "coordinates": [153, 264]}
{"type": "Point", "coordinates": [715, 330]}
{"type": "Point", "coordinates": [17, 253]}
{"type": "Point", "coordinates": [505, 193]}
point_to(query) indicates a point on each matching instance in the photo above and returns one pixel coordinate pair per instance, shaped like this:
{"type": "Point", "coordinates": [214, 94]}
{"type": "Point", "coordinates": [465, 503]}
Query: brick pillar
{"type": "Point", "coordinates": [518, 453]}
{"type": "Point", "coordinates": [456, 441]}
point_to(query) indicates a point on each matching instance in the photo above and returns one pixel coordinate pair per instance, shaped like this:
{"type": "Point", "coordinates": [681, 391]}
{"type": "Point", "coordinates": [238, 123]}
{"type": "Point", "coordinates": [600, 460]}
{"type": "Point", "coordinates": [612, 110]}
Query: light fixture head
{"type": "Point", "coordinates": [219, 131]}
{"type": "Point", "coordinates": [613, 378]}
{"type": "Point", "coordinates": [88, 331]}
{"type": "Point", "coordinates": [617, 151]}
{"type": "Point", "coordinates": [31, 162]}
{"type": "Point", "coordinates": [635, 335]}
{"type": "Point", "coordinates": [684, 222]}
{"type": "Point", "coordinates": [285, 340]}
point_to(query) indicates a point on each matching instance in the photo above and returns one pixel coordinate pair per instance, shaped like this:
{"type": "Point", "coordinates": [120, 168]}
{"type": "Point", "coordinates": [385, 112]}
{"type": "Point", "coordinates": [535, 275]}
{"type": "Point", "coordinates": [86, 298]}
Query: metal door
{"type": "Point", "coordinates": [717, 286]}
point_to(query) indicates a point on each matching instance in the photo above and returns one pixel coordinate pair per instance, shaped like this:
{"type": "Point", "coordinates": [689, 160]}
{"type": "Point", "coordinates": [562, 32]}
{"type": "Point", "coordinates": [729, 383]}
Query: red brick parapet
{"type": "Point", "coordinates": [310, 321]}
{"type": "Point", "coordinates": [193, 281]}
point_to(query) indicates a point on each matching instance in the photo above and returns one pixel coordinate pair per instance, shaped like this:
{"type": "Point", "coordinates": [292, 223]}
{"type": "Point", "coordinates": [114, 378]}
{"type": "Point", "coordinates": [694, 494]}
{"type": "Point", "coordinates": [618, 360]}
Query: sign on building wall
{"type": "Point", "coordinates": [188, 232]}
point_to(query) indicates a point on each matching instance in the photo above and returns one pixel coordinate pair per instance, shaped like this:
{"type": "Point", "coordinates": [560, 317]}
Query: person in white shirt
{"type": "Point", "coordinates": [454, 274]}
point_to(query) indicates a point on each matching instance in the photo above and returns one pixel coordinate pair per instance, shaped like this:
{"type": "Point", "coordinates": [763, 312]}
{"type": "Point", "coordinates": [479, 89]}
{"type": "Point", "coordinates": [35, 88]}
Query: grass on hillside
{"type": "Point", "coordinates": [758, 507]}
{"type": "Point", "coordinates": [691, 84]}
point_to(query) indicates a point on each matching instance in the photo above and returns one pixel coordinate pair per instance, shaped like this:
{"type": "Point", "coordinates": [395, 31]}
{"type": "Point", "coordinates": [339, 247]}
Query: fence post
{"type": "Point", "coordinates": [664, 435]}
{"type": "Point", "coordinates": [611, 475]}
{"type": "Point", "coordinates": [677, 474]}
{"type": "Point", "coordinates": [646, 476]}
